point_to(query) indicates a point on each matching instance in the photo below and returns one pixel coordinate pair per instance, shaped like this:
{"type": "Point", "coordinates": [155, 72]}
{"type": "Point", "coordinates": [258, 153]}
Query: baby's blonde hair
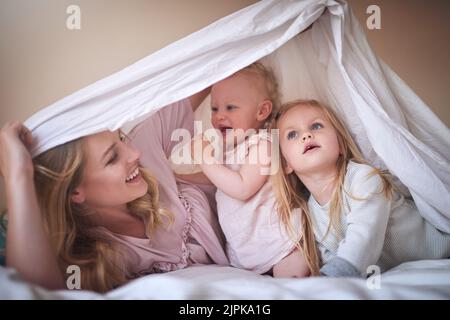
{"type": "Point", "coordinates": [270, 82]}
{"type": "Point", "coordinates": [291, 193]}
{"type": "Point", "coordinates": [74, 239]}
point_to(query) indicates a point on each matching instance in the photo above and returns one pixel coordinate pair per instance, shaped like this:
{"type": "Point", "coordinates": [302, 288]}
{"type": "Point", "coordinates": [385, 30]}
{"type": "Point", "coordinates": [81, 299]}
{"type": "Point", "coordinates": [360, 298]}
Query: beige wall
{"type": "Point", "coordinates": [41, 61]}
{"type": "Point", "coordinates": [414, 41]}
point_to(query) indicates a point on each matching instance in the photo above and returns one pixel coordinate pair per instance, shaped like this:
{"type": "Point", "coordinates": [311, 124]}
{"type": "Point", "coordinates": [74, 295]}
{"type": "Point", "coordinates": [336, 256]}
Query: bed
{"type": "Point", "coordinates": [424, 279]}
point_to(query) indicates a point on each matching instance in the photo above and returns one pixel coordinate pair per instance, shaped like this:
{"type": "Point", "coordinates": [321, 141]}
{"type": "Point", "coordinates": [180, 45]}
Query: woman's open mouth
{"type": "Point", "coordinates": [134, 177]}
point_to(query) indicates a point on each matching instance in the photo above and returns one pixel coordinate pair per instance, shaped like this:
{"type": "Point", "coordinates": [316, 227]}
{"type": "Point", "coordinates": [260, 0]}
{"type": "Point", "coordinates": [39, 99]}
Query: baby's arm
{"type": "Point", "coordinates": [366, 230]}
{"type": "Point", "coordinates": [244, 183]}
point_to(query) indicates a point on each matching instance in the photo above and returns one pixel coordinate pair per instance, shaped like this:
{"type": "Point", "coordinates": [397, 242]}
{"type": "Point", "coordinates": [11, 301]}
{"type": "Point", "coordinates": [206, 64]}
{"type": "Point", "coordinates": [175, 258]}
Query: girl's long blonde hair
{"type": "Point", "coordinates": [76, 241]}
{"type": "Point", "coordinates": [291, 193]}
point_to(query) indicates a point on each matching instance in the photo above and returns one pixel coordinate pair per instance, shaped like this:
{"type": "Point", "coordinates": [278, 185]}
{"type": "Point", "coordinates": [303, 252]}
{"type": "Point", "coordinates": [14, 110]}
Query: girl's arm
{"type": "Point", "coordinates": [244, 183]}
{"type": "Point", "coordinates": [366, 229]}
{"type": "Point", "coordinates": [28, 248]}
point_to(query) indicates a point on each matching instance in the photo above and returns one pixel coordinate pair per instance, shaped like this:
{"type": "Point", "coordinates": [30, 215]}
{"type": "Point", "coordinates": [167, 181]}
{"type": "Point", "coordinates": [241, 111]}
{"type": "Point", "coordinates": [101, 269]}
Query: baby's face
{"type": "Point", "coordinates": [235, 103]}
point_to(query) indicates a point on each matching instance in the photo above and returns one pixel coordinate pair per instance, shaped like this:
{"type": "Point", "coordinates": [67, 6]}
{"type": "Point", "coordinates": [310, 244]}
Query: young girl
{"type": "Point", "coordinates": [357, 216]}
{"type": "Point", "coordinates": [241, 106]}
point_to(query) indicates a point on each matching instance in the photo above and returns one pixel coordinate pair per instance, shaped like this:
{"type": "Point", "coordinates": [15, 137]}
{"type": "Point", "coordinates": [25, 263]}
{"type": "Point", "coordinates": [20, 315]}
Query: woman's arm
{"type": "Point", "coordinates": [244, 183]}
{"type": "Point", "coordinates": [28, 248]}
{"type": "Point", "coordinates": [198, 178]}
{"type": "Point", "coordinates": [197, 99]}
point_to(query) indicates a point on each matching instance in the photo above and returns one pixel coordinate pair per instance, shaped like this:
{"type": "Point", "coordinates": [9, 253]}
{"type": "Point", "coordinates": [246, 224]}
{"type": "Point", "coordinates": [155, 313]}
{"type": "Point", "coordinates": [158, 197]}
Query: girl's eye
{"type": "Point", "coordinates": [316, 126]}
{"type": "Point", "coordinates": [213, 109]}
{"type": "Point", "coordinates": [292, 135]}
{"type": "Point", "coordinates": [230, 107]}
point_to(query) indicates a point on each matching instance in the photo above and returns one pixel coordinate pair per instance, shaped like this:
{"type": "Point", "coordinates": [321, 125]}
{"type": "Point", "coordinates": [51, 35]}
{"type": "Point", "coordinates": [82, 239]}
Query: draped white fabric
{"type": "Point", "coordinates": [331, 62]}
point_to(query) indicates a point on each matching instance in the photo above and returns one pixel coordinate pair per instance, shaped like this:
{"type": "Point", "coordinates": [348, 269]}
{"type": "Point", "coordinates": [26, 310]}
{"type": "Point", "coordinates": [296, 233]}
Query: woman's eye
{"type": "Point", "coordinates": [292, 135]}
{"type": "Point", "coordinates": [316, 126]}
{"type": "Point", "coordinates": [113, 158]}
{"type": "Point", "coordinates": [123, 137]}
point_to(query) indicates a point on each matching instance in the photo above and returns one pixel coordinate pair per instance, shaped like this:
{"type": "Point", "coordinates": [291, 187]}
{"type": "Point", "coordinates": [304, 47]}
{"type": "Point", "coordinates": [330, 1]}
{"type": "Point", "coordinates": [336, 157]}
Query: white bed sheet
{"type": "Point", "coordinates": [426, 279]}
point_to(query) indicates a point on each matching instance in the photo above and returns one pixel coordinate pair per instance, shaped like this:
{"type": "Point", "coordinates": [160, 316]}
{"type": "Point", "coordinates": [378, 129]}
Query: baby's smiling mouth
{"type": "Point", "coordinates": [223, 129]}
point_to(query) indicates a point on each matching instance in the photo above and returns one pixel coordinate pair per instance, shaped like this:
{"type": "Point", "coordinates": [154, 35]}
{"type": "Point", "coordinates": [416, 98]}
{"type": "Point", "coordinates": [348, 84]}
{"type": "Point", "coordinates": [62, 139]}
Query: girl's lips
{"type": "Point", "coordinates": [309, 148]}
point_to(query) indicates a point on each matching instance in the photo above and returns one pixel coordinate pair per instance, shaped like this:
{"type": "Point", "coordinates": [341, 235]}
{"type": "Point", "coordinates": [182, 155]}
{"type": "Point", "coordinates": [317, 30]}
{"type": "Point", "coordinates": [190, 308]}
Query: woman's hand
{"type": "Point", "coordinates": [15, 139]}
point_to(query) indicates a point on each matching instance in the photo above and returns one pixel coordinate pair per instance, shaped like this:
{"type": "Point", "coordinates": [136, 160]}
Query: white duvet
{"type": "Point", "coordinates": [426, 279]}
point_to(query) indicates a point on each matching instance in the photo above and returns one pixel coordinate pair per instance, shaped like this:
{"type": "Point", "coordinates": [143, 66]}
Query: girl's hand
{"type": "Point", "coordinates": [15, 139]}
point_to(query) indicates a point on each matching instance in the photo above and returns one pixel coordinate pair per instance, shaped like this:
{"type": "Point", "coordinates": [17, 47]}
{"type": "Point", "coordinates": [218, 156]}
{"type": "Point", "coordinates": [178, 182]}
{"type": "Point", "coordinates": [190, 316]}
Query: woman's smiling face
{"type": "Point", "coordinates": [111, 175]}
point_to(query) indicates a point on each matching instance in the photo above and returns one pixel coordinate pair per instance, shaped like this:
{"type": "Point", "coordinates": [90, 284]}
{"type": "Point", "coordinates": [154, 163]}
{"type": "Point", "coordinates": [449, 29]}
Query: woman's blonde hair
{"type": "Point", "coordinates": [75, 240]}
{"type": "Point", "coordinates": [270, 84]}
{"type": "Point", "coordinates": [291, 193]}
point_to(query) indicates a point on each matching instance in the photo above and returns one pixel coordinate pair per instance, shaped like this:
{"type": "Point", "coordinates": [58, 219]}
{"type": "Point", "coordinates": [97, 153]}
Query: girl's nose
{"type": "Point", "coordinates": [306, 136]}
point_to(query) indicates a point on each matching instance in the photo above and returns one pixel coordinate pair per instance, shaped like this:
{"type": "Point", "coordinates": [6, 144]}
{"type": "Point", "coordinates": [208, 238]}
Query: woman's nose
{"type": "Point", "coordinates": [306, 136]}
{"type": "Point", "coordinates": [133, 154]}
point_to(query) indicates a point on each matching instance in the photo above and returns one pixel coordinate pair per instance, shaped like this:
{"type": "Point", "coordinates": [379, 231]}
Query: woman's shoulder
{"type": "Point", "coordinates": [166, 114]}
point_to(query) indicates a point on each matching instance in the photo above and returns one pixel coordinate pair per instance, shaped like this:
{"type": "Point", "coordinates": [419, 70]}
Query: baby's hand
{"type": "Point", "coordinates": [199, 149]}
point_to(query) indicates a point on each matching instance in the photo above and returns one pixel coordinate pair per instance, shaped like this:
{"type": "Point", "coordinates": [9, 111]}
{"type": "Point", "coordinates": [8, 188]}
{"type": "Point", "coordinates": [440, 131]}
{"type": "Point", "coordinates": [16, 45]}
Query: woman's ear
{"type": "Point", "coordinates": [78, 196]}
{"type": "Point", "coordinates": [264, 110]}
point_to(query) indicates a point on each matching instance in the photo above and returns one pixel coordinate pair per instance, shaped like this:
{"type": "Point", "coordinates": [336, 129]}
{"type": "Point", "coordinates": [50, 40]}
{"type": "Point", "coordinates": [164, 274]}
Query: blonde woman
{"type": "Point", "coordinates": [91, 203]}
{"type": "Point", "coordinates": [349, 209]}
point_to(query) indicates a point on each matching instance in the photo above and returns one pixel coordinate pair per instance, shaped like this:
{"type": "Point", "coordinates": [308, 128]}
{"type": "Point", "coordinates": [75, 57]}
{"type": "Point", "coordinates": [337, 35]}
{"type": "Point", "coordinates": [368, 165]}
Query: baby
{"type": "Point", "coordinates": [241, 106]}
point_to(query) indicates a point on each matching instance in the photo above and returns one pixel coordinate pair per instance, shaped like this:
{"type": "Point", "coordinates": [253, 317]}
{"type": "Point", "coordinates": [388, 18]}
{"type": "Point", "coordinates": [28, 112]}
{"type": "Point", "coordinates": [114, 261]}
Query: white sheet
{"type": "Point", "coordinates": [427, 279]}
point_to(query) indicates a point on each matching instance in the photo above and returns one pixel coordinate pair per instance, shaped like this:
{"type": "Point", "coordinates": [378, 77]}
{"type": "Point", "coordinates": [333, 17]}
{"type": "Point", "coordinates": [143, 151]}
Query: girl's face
{"type": "Point", "coordinates": [238, 102]}
{"type": "Point", "coordinates": [111, 175]}
{"type": "Point", "coordinates": [308, 141]}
